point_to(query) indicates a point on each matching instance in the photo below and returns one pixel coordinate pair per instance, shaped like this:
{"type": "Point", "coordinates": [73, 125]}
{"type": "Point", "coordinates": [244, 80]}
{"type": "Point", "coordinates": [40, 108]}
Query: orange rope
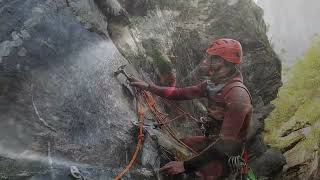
{"type": "Point", "coordinates": [181, 110]}
{"type": "Point", "coordinates": [151, 103]}
{"type": "Point", "coordinates": [171, 120]}
{"type": "Point", "coordinates": [139, 145]}
{"type": "Point", "coordinates": [160, 117]}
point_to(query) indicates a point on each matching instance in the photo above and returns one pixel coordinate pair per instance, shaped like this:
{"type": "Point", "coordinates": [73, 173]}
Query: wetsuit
{"type": "Point", "coordinates": [232, 106]}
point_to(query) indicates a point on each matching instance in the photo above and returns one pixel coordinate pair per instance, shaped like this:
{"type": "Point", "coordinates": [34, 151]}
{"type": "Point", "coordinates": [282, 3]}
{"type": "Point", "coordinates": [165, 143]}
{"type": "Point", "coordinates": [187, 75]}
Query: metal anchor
{"type": "Point", "coordinates": [121, 70]}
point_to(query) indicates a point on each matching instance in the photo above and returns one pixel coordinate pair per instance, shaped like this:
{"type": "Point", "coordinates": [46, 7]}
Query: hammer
{"type": "Point", "coordinates": [120, 70]}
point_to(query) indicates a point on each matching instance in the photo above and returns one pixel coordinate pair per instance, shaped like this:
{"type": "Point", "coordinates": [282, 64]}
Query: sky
{"type": "Point", "coordinates": [292, 25]}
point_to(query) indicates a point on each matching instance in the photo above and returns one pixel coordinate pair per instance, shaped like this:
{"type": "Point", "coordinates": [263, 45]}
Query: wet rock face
{"type": "Point", "coordinates": [60, 104]}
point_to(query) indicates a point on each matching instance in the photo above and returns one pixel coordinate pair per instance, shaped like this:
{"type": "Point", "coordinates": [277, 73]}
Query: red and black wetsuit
{"type": "Point", "coordinates": [231, 105]}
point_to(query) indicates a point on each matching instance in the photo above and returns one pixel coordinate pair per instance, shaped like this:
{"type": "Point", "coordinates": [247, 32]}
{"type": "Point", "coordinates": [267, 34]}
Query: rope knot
{"type": "Point", "coordinates": [141, 137]}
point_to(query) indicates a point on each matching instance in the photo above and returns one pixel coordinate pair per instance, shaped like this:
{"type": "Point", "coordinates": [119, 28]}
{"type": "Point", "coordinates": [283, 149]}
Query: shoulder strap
{"type": "Point", "coordinates": [212, 90]}
{"type": "Point", "coordinates": [233, 84]}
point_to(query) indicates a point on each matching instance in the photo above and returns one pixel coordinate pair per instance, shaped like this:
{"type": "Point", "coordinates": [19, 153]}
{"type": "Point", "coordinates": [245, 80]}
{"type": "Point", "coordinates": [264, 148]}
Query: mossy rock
{"type": "Point", "coordinates": [162, 63]}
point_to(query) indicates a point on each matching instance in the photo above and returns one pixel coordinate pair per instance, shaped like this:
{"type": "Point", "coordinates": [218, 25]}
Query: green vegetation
{"type": "Point", "coordinates": [298, 102]}
{"type": "Point", "coordinates": [161, 62]}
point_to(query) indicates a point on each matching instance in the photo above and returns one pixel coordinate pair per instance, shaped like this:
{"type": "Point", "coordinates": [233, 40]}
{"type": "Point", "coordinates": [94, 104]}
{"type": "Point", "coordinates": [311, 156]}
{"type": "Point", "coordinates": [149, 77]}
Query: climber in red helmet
{"type": "Point", "coordinates": [229, 106]}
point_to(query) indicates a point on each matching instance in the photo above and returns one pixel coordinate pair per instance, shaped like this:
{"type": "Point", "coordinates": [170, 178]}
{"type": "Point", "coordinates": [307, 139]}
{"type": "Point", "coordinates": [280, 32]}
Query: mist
{"type": "Point", "coordinates": [292, 24]}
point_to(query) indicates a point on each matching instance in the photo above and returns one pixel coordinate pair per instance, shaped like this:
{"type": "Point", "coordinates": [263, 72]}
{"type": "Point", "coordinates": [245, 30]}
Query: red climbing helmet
{"type": "Point", "coordinates": [229, 49]}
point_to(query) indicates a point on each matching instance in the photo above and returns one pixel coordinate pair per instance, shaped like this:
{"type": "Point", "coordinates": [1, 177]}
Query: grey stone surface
{"type": "Point", "coordinates": [60, 105]}
{"type": "Point", "coordinates": [271, 165]}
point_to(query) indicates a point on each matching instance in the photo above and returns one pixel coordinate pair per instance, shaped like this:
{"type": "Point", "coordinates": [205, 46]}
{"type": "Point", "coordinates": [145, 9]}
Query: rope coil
{"type": "Point", "coordinates": [140, 113]}
{"type": "Point", "coordinates": [160, 117]}
{"type": "Point", "coordinates": [149, 99]}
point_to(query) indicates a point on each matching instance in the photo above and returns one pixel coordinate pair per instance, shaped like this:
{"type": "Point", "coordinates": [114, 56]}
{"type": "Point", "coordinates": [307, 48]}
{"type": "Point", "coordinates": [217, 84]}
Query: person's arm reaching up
{"type": "Point", "coordinates": [186, 93]}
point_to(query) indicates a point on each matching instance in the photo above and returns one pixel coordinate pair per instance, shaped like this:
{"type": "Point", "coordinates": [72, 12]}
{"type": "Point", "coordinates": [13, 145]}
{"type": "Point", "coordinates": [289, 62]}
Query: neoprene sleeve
{"type": "Point", "coordinates": [174, 93]}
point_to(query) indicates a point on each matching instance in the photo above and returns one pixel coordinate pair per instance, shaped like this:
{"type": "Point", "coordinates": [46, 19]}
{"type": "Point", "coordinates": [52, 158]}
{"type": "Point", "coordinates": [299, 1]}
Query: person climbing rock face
{"type": "Point", "coordinates": [229, 106]}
